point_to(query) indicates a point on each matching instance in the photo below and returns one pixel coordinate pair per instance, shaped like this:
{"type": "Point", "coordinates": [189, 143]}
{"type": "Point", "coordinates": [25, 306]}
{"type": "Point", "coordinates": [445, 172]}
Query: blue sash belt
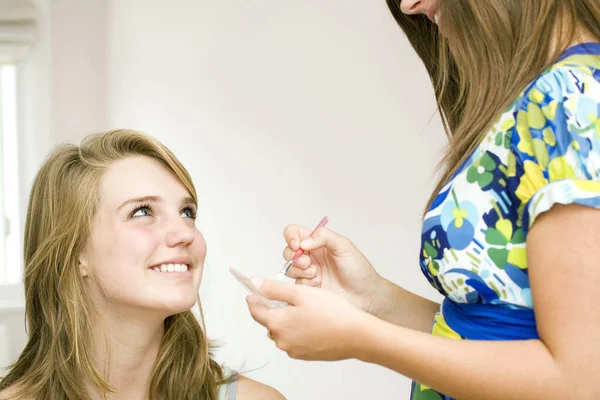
{"type": "Point", "coordinates": [489, 321]}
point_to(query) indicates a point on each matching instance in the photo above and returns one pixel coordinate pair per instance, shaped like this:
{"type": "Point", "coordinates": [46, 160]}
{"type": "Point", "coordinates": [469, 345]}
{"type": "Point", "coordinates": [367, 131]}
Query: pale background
{"type": "Point", "coordinates": [283, 111]}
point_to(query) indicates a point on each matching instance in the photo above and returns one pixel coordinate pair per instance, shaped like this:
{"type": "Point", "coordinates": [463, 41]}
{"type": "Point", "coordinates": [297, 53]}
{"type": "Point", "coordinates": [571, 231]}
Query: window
{"type": "Point", "coordinates": [25, 130]}
{"type": "Point", "coordinates": [10, 235]}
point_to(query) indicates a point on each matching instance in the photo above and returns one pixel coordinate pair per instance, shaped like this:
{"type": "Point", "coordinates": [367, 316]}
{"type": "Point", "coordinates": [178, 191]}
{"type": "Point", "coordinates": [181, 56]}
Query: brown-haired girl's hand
{"type": "Point", "coordinates": [332, 262]}
{"type": "Point", "coordinates": [317, 325]}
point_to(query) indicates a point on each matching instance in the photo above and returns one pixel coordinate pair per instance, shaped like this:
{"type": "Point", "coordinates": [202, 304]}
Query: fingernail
{"type": "Point", "coordinates": [310, 272]}
{"type": "Point", "coordinates": [315, 281]}
{"type": "Point", "coordinates": [293, 244]}
{"type": "Point", "coordinates": [307, 242]}
{"type": "Point", "coordinates": [257, 282]}
{"type": "Point", "coordinates": [303, 260]}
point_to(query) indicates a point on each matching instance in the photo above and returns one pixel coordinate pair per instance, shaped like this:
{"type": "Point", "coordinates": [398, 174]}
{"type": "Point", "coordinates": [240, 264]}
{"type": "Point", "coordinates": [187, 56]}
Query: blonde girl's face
{"type": "Point", "coordinates": [145, 252]}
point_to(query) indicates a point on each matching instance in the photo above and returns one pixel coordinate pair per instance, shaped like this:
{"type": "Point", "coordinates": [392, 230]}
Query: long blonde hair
{"type": "Point", "coordinates": [489, 53]}
{"type": "Point", "coordinates": [57, 359]}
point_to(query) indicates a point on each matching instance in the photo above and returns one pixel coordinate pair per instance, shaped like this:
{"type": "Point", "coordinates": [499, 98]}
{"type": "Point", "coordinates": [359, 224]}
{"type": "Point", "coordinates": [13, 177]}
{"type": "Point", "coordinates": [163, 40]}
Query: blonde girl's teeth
{"type": "Point", "coordinates": [171, 268]}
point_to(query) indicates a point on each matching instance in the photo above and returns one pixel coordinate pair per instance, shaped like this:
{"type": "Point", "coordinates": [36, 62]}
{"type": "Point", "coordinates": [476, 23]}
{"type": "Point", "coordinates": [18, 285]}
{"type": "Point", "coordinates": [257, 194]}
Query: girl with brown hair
{"type": "Point", "coordinates": [510, 234]}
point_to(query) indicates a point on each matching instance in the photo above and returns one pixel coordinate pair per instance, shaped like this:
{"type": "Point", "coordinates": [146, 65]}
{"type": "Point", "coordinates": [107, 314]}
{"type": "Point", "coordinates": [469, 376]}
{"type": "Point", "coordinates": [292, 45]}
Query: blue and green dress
{"type": "Point", "coordinates": [544, 150]}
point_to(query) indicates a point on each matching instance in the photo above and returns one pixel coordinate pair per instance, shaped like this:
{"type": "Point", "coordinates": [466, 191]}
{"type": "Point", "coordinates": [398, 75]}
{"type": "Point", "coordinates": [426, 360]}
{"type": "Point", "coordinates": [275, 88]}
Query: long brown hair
{"type": "Point", "coordinates": [57, 359]}
{"type": "Point", "coordinates": [488, 54]}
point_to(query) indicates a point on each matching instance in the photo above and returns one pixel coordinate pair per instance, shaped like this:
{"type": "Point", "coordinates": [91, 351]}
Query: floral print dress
{"type": "Point", "coordinates": [544, 150]}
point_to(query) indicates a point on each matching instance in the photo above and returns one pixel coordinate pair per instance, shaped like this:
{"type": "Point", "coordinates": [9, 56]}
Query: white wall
{"type": "Point", "coordinates": [79, 33]}
{"type": "Point", "coordinates": [283, 111]}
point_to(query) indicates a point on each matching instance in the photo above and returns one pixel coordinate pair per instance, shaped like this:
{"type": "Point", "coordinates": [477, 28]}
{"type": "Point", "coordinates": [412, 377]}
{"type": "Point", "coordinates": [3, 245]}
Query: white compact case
{"type": "Point", "coordinates": [245, 282]}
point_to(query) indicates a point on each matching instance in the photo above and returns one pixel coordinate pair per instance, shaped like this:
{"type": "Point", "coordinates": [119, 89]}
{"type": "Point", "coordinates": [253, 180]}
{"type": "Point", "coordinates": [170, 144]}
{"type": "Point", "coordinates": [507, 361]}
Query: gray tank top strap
{"type": "Point", "coordinates": [232, 390]}
{"type": "Point", "coordinates": [228, 391]}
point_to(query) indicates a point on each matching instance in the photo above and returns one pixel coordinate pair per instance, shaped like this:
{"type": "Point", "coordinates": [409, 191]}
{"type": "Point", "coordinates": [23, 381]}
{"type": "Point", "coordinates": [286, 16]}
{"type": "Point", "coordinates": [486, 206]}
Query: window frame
{"type": "Point", "coordinates": [35, 124]}
{"type": "Point", "coordinates": [11, 293]}
{"type": "Point", "coordinates": [11, 260]}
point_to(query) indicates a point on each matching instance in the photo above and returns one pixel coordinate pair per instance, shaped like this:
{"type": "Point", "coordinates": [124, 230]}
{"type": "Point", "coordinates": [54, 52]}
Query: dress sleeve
{"type": "Point", "coordinates": [556, 143]}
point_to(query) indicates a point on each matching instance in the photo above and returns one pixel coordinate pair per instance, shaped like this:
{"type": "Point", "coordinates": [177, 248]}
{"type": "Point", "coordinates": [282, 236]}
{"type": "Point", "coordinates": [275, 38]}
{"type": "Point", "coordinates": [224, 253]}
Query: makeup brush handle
{"type": "Point", "coordinates": [300, 251]}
